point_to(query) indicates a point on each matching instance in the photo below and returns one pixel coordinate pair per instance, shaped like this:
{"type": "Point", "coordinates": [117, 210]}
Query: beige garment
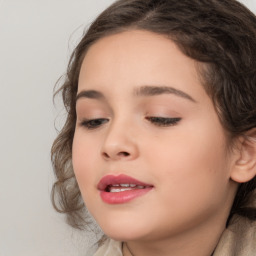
{"type": "Point", "coordinates": [110, 248]}
{"type": "Point", "coordinates": [239, 239]}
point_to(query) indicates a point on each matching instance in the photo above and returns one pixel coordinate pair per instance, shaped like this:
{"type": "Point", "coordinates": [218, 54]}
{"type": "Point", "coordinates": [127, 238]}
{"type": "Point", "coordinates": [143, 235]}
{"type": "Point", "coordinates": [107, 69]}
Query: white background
{"type": "Point", "coordinates": [36, 39]}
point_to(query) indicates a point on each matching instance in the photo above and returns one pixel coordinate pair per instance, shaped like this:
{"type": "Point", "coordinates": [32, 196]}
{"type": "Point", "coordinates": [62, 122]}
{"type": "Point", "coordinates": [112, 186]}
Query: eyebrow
{"type": "Point", "coordinates": [90, 94]}
{"type": "Point", "coordinates": [141, 91]}
{"type": "Point", "coordinates": [158, 90]}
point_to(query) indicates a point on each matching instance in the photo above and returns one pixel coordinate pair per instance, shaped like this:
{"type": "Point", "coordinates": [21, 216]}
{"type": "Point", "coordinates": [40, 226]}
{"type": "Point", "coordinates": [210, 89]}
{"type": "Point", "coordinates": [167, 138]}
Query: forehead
{"type": "Point", "coordinates": [137, 58]}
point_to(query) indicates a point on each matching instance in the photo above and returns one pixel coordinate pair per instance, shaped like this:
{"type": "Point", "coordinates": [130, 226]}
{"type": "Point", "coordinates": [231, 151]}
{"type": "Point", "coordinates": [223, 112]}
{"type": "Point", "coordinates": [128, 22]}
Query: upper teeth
{"type": "Point", "coordinates": [124, 185]}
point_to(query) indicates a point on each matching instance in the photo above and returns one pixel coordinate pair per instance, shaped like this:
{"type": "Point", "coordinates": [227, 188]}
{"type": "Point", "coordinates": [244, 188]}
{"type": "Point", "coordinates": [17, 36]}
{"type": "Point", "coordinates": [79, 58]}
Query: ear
{"type": "Point", "coordinates": [245, 165]}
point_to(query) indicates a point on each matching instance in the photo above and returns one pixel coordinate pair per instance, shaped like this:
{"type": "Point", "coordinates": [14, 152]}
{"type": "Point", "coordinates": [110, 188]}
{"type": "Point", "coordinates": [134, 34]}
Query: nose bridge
{"type": "Point", "coordinates": [120, 141]}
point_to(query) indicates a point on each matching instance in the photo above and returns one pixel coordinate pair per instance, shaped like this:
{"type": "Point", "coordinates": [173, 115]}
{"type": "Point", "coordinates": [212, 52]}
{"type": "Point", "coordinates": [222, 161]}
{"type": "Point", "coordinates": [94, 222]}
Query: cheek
{"type": "Point", "coordinates": [83, 160]}
{"type": "Point", "coordinates": [191, 179]}
{"type": "Point", "coordinates": [192, 164]}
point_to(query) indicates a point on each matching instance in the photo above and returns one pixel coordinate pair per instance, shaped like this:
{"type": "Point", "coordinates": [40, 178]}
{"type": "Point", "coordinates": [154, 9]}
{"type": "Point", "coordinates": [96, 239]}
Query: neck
{"type": "Point", "coordinates": [126, 250]}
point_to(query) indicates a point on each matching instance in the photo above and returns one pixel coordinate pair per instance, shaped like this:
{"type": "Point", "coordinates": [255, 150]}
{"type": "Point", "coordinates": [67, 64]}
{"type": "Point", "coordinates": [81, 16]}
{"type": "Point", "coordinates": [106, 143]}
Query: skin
{"type": "Point", "coordinates": [189, 163]}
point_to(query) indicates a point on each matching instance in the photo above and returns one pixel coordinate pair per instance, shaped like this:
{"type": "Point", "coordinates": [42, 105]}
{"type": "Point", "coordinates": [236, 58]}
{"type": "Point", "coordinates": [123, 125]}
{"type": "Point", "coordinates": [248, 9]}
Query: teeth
{"type": "Point", "coordinates": [115, 190]}
{"type": "Point", "coordinates": [125, 185]}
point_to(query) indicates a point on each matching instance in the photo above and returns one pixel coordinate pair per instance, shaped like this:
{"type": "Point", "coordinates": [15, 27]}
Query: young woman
{"type": "Point", "coordinates": [159, 144]}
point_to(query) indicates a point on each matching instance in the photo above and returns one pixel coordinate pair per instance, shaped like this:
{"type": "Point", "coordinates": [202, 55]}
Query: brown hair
{"type": "Point", "coordinates": [221, 34]}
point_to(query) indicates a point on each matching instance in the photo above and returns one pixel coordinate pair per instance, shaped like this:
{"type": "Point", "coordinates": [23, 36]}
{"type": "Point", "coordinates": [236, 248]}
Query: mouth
{"type": "Point", "coordinates": [115, 188]}
{"type": "Point", "coordinates": [121, 188]}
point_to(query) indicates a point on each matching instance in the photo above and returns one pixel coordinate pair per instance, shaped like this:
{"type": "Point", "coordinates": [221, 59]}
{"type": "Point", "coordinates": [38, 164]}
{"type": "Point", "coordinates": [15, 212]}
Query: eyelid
{"type": "Point", "coordinates": [163, 121]}
{"type": "Point", "coordinates": [93, 123]}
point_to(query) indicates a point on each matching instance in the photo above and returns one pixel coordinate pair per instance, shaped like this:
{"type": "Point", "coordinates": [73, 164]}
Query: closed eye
{"type": "Point", "coordinates": [91, 124]}
{"type": "Point", "coordinates": [163, 121]}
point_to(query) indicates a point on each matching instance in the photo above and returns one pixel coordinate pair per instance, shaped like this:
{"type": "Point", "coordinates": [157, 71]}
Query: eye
{"type": "Point", "coordinates": [93, 123]}
{"type": "Point", "coordinates": [163, 121]}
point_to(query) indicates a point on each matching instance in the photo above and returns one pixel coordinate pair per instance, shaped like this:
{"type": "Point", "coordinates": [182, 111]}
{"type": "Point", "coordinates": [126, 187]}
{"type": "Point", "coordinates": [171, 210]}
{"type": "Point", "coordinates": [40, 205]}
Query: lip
{"type": "Point", "coordinates": [122, 196]}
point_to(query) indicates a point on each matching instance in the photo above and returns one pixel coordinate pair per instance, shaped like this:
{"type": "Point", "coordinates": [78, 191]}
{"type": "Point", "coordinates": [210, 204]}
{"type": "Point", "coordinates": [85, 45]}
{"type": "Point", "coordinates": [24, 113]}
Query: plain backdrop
{"type": "Point", "coordinates": [36, 40]}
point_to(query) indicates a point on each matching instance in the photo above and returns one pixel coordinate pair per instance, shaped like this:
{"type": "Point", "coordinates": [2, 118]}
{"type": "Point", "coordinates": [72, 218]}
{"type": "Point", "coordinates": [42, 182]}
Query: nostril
{"type": "Point", "coordinates": [105, 155]}
{"type": "Point", "coordinates": [116, 155]}
{"type": "Point", "coordinates": [123, 153]}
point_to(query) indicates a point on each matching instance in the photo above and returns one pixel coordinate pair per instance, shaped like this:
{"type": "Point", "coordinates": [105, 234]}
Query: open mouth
{"type": "Point", "coordinates": [120, 183]}
{"type": "Point", "coordinates": [121, 189]}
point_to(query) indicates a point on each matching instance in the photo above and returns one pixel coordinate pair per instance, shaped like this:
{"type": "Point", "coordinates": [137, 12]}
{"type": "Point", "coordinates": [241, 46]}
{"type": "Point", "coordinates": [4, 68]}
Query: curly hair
{"type": "Point", "coordinates": [219, 34]}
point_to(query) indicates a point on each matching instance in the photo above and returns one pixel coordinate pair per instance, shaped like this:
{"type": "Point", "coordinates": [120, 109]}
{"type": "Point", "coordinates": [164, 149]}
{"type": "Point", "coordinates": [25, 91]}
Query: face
{"type": "Point", "coordinates": [149, 152]}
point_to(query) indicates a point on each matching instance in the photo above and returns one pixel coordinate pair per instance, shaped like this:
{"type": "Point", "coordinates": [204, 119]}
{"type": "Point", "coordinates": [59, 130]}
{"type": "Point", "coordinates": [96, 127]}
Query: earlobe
{"type": "Point", "coordinates": [245, 166]}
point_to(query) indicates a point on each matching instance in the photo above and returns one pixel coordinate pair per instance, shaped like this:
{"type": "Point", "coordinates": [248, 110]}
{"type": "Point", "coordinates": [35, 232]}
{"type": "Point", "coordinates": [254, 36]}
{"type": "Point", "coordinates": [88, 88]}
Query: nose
{"type": "Point", "coordinates": [120, 143]}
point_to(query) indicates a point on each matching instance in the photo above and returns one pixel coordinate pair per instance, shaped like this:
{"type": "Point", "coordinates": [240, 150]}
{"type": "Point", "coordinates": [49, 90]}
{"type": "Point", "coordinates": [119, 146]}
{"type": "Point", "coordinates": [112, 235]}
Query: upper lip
{"type": "Point", "coordinates": [109, 180]}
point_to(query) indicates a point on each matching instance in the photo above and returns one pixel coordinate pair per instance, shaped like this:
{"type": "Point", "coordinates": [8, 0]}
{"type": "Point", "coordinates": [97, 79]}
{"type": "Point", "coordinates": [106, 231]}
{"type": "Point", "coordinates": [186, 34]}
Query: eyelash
{"type": "Point", "coordinates": [163, 121]}
{"type": "Point", "coordinates": [93, 123]}
{"type": "Point", "coordinates": [158, 121]}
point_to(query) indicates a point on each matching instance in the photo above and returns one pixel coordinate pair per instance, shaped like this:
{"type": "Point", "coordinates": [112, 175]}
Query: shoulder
{"type": "Point", "coordinates": [238, 239]}
{"type": "Point", "coordinates": [110, 248]}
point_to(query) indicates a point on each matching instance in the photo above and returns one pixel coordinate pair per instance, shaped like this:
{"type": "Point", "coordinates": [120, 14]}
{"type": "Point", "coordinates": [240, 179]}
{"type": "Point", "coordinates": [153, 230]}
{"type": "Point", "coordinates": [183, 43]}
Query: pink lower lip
{"type": "Point", "coordinates": [124, 196]}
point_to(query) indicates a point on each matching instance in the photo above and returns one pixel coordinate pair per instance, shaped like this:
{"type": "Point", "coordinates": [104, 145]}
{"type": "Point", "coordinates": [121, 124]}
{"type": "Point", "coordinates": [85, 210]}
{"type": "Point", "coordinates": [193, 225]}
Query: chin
{"type": "Point", "coordinates": [123, 230]}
